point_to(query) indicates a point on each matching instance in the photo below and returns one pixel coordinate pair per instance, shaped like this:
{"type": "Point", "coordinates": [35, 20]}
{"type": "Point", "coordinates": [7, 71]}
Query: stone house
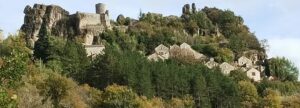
{"type": "Point", "coordinates": [153, 57]}
{"type": "Point", "coordinates": [254, 74]}
{"type": "Point", "coordinates": [161, 52]}
{"type": "Point", "coordinates": [226, 68]}
{"type": "Point", "coordinates": [211, 63]}
{"type": "Point", "coordinates": [244, 62]}
{"type": "Point", "coordinates": [186, 50]}
{"type": "Point", "coordinates": [175, 51]}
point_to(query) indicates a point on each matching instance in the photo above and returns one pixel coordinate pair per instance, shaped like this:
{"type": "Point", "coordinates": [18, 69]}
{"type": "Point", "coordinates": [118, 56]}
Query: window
{"type": "Point", "coordinates": [253, 73]}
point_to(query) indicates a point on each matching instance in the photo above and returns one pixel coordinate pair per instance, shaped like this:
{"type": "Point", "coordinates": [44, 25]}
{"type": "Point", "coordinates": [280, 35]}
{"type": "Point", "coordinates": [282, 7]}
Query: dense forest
{"type": "Point", "coordinates": [57, 73]}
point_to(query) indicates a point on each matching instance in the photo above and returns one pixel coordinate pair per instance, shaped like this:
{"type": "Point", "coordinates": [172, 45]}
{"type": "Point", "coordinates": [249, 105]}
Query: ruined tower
{"type": "Point", "coordinates": [100, 8]}
{"type": "Point", "coordinates": [104, 14]}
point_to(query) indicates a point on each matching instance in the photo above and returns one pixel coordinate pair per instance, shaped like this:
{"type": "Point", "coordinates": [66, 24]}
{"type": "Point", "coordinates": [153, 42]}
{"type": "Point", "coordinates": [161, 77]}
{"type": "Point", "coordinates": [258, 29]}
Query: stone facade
{"type": "Point", "coordinates": [161, 52]}
{"type": "Point", "coordinates": [244, 62]}
{"type": "Point", "coordinates": [184, 50]}
{"type": "Point", "coordinates": [175, 51]}
{"type": "Point", "coordinates": [254, 74]}
{"type": "Point", "coordinates": [226, 68]}
{"type": "Point", "coordinates": [93, 50]}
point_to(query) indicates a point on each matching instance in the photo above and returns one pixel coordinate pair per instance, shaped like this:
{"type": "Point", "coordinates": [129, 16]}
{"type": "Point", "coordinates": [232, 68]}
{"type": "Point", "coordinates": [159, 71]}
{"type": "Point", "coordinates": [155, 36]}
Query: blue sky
{"type": "Point", "coordinates": [275, 20]}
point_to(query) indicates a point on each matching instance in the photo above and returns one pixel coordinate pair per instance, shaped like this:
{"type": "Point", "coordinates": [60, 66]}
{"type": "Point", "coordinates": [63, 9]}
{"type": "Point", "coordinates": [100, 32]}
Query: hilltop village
{"type": "Point", "coordinates": [88, 26]}
{"type": "Point", "coordinates": [250, 66]}
{"type": "Point", "coordinates": [204, 58]}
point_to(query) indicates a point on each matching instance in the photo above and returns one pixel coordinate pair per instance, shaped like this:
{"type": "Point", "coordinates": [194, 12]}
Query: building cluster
{"type": "Point", "coordinates": [162, 52]}
{"type": "Point", "coordinates": [253, 71]}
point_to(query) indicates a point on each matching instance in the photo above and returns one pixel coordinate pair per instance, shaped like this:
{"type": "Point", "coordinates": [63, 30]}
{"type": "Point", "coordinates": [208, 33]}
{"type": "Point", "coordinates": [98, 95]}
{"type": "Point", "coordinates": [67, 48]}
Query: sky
{"type": "Point", "coordinates": [274, 20]}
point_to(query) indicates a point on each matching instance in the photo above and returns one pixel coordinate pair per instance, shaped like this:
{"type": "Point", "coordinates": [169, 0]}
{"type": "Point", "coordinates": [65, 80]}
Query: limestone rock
{"type": "Point", "coordinates": [39, 14]}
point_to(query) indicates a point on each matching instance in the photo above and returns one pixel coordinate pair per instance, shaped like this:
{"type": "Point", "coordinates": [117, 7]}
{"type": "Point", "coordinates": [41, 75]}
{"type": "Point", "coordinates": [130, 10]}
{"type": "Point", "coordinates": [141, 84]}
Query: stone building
{"type": "Point", "coordinates": [226, 68]}
{"type": "Point", "coordinates": [211, 63]}
{"type": "Point", "coordinates": [184, 50]}
{"type": "Point", "coordinates": [161, 52]}
{"type": "Point", "coordinates": [89, 25]}
{"type": "Point", "coordinates": [187, 51]}
{"type": "Point", "coordinates": [244, 62]}
{"type": "Point", "coordinates": [175, 51]}
{"type": "Point", "coordinates": [254, 74]}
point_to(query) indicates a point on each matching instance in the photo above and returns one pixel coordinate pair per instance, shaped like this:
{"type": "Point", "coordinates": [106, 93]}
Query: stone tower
{"type": "Point", "coordinates": [100, 8]}
{"type": "Point", "coordinates": [104, 14]}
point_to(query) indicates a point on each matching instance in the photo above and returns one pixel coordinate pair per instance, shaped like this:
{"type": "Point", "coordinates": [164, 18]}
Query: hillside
{"type": "Point", "coordinates": [205, 58]}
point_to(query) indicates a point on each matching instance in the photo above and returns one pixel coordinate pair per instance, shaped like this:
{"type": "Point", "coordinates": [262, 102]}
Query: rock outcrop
{"type": "Point", "coordinates": [35, 16]}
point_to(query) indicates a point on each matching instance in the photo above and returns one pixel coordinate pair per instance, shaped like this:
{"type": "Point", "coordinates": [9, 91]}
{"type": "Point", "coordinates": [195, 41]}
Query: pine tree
{"type": "Point", "coordinates": [42, 45]}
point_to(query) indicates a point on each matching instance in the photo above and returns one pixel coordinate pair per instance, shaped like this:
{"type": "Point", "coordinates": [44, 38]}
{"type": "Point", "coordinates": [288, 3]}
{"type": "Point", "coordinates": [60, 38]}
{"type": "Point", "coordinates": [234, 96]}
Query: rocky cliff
{"type": "Point", "coordinates": [54, 16]}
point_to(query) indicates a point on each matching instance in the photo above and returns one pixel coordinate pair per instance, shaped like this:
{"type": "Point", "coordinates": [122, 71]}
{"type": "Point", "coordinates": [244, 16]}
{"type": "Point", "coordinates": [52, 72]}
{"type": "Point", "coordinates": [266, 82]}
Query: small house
{"type": "Point", "coordinates": [253, 74]}
{"type": "Point", "coordinates": [226, 68]}
{"type": "Point", "coordinates": [244, 62]}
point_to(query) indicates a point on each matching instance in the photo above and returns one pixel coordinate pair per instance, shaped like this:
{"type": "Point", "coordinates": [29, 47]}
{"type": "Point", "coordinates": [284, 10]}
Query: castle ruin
{"type": "Point", "coordinates": [60, 23]}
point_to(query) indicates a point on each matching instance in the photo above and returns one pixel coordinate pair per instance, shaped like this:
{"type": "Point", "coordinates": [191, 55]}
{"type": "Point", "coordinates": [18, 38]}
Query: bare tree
{"type": "Point", "coordinates": [264, 44]}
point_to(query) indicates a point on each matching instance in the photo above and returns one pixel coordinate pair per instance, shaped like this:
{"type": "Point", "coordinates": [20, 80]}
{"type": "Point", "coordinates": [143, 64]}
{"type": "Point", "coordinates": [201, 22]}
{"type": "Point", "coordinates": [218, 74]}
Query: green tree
{"type": "Point", "coordinates": [74, 60]}
{"type": "Point", "coordinates": [56, 88]}
{"type": "Point", "coordinates": [239, 75]}
{"type": "Point", "coordinates": [121, 19]}
{"type": "Point", "coordinates": [14, 66]}
{"type": "Point", "coordinates": [199, 92]}
{"type": "Point", "coordinates": [283, 69]}
{"type": "Point", "coordinates": [42, 45]}
{"type": "Point", "coordinates": [5, 100]}
{"type": "Point", "coordinates": [271, 99]}
{"type": "Point", "coordinates": [292, 101]}
{"type": "Point", "coordinates": [115, 96]}
{"type": "Point", "coordinates": [248, 93]}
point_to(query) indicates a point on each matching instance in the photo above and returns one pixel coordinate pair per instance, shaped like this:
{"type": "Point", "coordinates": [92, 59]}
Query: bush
{"type": "Point", "coordinates": [115, 96]}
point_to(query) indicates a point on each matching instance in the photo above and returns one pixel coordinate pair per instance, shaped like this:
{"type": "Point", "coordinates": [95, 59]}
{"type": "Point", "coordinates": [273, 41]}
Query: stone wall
{"type": "Point", "coordinates": [87, 19]}
{"type": "Point", "coordinates": [93, 50]}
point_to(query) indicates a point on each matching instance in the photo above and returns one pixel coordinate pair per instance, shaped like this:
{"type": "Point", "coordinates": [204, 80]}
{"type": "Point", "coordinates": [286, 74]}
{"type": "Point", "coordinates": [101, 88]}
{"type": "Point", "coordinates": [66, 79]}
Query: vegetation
{"type": "Point", "coordinates": [283, 69]}
{"type": "Point", "coordinates": [58, 74]}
